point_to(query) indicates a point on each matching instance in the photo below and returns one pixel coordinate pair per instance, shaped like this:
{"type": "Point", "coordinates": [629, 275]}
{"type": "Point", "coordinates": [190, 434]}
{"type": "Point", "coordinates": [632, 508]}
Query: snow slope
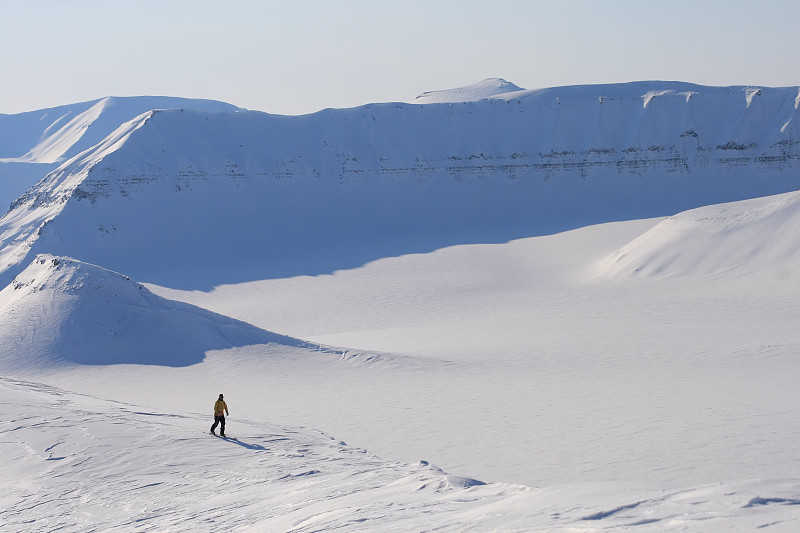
{"type": "Point", "coordinates": [479, 91]}
{"type": "Point", "coordinates": [104, 465]}
{"type": "Point", "coordinates": [59, 310]}
{"type": "Point", "coordinates": [336, 189]}
{"type": "Point", "coordinates": [270, 478]}
{"type": "Point", "coordinates": [736, 238]}
{"type": "Point", "coordinates": [56, 134]}
{"type": "Point", "coordinates": [35, 142]}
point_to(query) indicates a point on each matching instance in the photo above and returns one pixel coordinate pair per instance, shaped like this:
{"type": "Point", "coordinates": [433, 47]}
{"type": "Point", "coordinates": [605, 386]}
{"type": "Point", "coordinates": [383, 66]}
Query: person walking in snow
{"type": "Point", "coordinates": [220, 410]}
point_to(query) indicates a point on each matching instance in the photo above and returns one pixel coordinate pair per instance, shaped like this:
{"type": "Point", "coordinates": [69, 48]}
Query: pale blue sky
{"type": "Point", "coordinates": [299, 56]}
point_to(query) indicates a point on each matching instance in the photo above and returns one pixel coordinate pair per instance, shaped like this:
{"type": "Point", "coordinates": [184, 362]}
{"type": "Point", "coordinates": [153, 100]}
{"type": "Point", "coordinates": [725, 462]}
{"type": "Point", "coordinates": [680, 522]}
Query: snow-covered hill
{"type": "Point", "coordinates": [246, 195]}
{"type": "Point", "coordinates": [35, 142]}
{"type": "Point", "coordinates": [736, 238]}
{"type": "Point", "coordinates": [59, 310]}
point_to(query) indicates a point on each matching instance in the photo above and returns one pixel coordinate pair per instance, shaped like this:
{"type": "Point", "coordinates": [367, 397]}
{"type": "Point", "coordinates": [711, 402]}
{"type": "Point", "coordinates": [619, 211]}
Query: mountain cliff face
{"type": "Point", "coordinates": [255, 195]}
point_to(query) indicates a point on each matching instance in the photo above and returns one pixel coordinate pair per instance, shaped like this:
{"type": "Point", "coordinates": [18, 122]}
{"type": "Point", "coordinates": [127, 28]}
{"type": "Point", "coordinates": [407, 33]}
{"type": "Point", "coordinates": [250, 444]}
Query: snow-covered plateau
{"type": "Point", "coordinates": [490, 309]}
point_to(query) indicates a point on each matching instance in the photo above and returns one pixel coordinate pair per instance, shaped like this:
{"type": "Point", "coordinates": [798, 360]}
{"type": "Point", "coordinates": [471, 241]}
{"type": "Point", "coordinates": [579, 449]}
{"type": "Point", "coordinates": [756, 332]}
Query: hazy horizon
{"type": "Point", "coordinates": [302, 57]}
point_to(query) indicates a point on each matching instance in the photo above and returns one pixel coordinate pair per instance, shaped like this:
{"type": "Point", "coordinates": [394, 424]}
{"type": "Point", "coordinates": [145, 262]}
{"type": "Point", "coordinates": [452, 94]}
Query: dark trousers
{"type": "Point", "coordinates": [219, 420]}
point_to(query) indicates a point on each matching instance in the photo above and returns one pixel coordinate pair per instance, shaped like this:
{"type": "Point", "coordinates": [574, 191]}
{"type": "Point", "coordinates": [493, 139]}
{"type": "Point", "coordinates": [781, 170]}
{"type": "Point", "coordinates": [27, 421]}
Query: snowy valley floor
{"type": "Point", "coordinates": [587, 400]}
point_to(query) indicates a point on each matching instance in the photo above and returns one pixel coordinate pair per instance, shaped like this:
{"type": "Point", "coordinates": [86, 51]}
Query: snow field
{"type": "Point", "coordinates": [78, 463]}
{"type": "Point", "coordinates": [539, 371]}
{"type": "Point", "coordinates": [81, 463]}
{"type": "Point", "coordinates": [513, 350]}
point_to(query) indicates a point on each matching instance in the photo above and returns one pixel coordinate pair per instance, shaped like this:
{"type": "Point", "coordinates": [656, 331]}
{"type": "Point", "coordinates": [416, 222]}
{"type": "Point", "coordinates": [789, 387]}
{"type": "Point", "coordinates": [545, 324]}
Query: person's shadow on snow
{"type": "Point", "coordinates": [247, 445]}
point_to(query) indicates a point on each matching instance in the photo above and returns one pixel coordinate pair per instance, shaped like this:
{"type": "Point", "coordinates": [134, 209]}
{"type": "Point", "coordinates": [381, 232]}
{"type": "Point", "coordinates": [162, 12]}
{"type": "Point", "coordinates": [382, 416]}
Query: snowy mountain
{"type": "Point", "coordinates": [490, 87]}
{"type": "Point", "coordinates": [34, 143]}
{"type": "Point", "coordinates": [581, 296]}
{"type": "Point", "coordinates": [57, 134]}
{"type": "Point", "coordinates": [336, 189]}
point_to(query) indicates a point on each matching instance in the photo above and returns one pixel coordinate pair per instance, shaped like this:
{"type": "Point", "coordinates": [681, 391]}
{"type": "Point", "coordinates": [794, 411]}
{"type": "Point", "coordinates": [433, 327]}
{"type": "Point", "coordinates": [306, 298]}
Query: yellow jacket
{"type": "Point", "coordinates": [219, 406]}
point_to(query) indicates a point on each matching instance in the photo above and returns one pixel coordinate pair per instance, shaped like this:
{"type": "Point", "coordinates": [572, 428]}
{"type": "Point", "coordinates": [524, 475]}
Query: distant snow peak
{"type": "Point", "coordinates": [54, 135]}
{"type": "Point", "coordinates": [54, 144]}
{"type": "Point", "coordinates": [487, 88]}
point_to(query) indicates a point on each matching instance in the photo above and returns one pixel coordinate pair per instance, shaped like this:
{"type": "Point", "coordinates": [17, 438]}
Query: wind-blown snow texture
{"type": "Point", "coordinates": [604, 370]}
{"type": "Point", "coordinates": [77, 463]}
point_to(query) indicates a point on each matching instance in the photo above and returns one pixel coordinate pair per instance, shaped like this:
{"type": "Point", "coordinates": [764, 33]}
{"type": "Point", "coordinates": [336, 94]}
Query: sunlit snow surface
{"type": "Point", "coordinates": [79, 463]}
{"type": "Point", "coordinates": [664, 403]}
{"type": "Point", "coordinates": [639, 374]}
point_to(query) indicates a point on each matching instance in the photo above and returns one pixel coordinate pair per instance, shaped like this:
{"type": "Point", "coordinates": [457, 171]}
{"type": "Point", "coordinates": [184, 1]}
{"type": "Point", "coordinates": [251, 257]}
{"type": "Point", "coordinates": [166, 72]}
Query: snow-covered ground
{"type": "Point", "coordinates": [81, 463]}
{"type": "Point", "coordinates": [637, 374]}
{"type": "Point", "coordinates": [515, 348]}
{"type": "Point", "coordinates": [606, 400]}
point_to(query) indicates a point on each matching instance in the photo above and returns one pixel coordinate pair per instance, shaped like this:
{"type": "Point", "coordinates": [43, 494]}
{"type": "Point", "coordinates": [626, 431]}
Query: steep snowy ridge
{"type": "Point", "coordinates": [36, 142]}
{"type": "Point", "coordinates": [60, 310]}
{"type": "Point", "coordinates": [22, 227]}
{"type": "Point", "coordinates": [20, 133]}
{"type": "Point", "coordinates": [398, 178]}
{"type": "Point", "coordinates": [56, 134]}
{"type": "Point", "coordinates": [54, 144]}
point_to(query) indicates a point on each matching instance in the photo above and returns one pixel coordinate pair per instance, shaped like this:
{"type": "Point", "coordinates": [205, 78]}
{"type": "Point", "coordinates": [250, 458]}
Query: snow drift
{"type": "Point", "coordinates": [735, 238]}
{"type": "Point", "coordinates": [240, 196]}
{"type": "Point", "coordinates": [63, 310]}
{"type": "Point", "coordinates": [490, 87]}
